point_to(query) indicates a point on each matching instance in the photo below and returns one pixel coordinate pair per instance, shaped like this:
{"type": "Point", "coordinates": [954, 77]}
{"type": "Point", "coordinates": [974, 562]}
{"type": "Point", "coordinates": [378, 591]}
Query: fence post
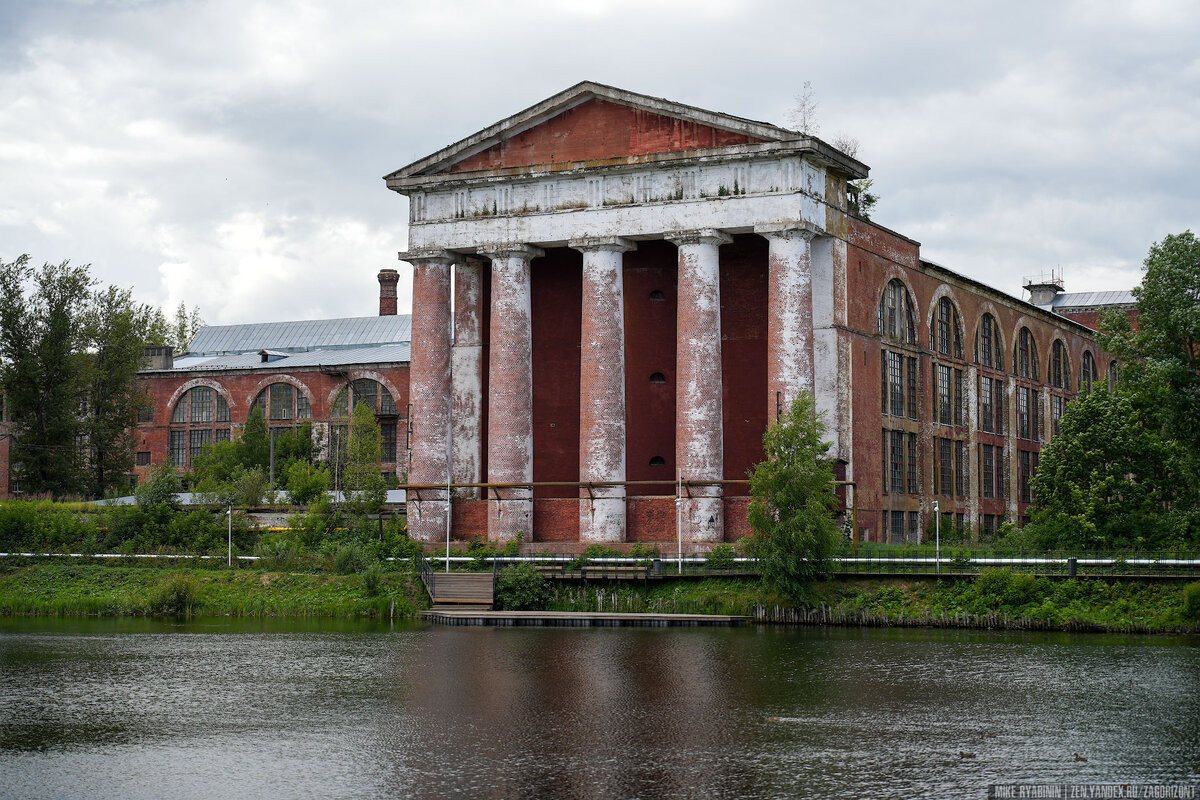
{"type": "Point", "coordinates": [1072, 566]}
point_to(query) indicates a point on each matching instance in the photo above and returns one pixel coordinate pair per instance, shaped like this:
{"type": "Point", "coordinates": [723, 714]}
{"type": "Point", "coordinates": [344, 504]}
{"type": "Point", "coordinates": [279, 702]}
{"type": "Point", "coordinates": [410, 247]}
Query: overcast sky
{"type": "Point", "coordinates": [230, 154]}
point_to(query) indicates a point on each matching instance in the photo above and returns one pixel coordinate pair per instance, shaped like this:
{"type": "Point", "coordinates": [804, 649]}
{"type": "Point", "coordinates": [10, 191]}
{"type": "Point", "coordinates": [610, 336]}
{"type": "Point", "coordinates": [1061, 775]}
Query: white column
{"type": "Point", "coordinates": [699, 424]}
{"type": "Point", "coordinates": [510, 392]}
{"type": "Point", "coordinates": [602, 389]}
{"type": "Point", "coordinates": [789, 316]}
{"type": "Point", "coordinates": [429, 392]}
{"type": "Point", "coordinates": [467, 375]}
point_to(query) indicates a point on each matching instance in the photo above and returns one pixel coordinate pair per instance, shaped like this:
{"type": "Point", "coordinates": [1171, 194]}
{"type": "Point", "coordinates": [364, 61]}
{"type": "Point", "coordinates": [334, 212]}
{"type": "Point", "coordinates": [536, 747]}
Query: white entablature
{"type": "Point", "coordinates": [773, 176]}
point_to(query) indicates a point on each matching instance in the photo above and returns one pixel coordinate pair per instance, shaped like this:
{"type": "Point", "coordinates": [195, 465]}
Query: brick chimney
{"type": "Point", "coordinates": [388, 278]}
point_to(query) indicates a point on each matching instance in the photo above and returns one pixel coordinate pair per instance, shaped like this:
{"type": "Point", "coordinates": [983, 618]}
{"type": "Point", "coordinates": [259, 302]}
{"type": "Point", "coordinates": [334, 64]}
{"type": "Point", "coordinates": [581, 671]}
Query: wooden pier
{"type": "Point", "coordinates": [577, 619]}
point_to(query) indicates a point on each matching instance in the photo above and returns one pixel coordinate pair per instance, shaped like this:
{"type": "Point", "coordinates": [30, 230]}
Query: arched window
{"type": "Point", "coordinates": [896, 320]}
{"type": "Point", "coordinates": [1060, 366]}
{"type": "Point", "coordinates": [200, 417]}
{"type": "Point", "coordinates": [946, 334]}
{"type": "Point", "coordinates": [989, 345]}
{"type": "Point", "coordinates": [282, 404]}
{"type": "Point", "coordinates": [1025, 358]}
{"type": "Point", "coordinates": [1087, 371]}
{"type": "Point", "coordinates": [376, 397]}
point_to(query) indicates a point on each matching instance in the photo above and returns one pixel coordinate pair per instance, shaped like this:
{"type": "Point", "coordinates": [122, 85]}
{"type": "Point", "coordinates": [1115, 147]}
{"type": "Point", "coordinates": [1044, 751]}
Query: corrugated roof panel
{"type": "Point", "coordinates": [302, 335]}
{"type": "Point", "coordinates": [1081, 299]}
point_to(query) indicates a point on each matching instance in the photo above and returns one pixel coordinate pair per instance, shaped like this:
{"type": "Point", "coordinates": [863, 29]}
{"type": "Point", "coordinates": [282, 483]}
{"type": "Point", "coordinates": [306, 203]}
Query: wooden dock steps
{"type": "Point", "coordinates": [459, 590]}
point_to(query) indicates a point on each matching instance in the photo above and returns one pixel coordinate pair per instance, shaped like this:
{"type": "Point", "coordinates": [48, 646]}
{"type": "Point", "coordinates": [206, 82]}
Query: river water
{"type": "Point", "coordinates": [283, 709]}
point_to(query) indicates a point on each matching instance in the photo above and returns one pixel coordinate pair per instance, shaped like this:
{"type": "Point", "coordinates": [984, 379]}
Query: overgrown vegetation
{"type": "Point", "coordinates": [115, 590]}
{"type": "Point", "coordinates": [995, 595]}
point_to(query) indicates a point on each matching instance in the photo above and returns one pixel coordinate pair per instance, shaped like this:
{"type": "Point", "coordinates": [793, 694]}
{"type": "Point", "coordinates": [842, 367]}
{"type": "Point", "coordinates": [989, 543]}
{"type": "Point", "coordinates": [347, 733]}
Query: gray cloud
{"type": "Point", "coordinates": [229, 154]}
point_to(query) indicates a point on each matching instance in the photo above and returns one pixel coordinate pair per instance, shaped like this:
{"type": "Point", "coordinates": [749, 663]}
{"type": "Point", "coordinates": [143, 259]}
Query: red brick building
{"type": "Point", "coordinates": [314, 370]}
{"type": "Point", "coordinates": [639, 288]}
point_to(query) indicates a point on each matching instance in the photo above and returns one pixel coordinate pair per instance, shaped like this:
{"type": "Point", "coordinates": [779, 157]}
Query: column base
{"type": "Point", "coordinates": [703, 517]}
{"type": "Point", "coordinates": [602, 518]}
{"type": "Point", "coordinates": [427, 517]}
{"type": "Point", "coordinates": [511, 516]}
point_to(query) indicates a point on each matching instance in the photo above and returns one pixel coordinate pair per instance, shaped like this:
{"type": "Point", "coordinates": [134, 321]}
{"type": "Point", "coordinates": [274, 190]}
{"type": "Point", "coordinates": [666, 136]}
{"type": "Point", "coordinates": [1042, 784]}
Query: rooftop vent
{"type": "Point", "coordinates": [1045, 287]}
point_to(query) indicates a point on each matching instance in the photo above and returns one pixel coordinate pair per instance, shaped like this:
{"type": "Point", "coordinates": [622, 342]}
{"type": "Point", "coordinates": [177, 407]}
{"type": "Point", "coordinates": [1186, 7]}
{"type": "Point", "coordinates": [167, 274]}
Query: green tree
{"type": "Point", "coordinates": [793, 502]}
{"type": "Point", "coordinates": [70, 357]}
{"type": "Point", "coordinates": [116, 327]}
{"type": "Point", "coordinates": [1161, 359]}
{"type": "Point", "coordinates": [253, 446]}
{"type": "Point", "coordinates": [43, 341]}
{"type": "Point", "coordinates": [363, 483]}
{"type": "Point", "coordinates": [1111, 479]}
{"type": "Point", "coordinates": [185, 326]}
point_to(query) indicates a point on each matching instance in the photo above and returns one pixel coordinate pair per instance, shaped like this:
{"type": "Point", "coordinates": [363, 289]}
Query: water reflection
{"type": "Point", "coordinates": [277, 709]}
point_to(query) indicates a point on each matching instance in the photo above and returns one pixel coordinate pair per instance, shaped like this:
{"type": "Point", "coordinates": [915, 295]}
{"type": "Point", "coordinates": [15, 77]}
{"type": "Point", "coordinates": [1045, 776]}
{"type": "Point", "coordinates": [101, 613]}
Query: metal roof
{"type": "Point", "coordinates": [335, 357]}
{"type": "Point", "coordinates": [1085, 299]}
{"type": "Point", "coordinates": [301, 336]}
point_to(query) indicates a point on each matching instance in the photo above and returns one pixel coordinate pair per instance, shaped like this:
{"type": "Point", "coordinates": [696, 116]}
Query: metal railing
{"type": "Point", "coordinates": [971, 561]}
{"type": "Point", "coordinates": [425, 570]}
{"type": "Point", "coordinates": [580, 566]}
{"type": "Point", "coordinates": [880, 561]}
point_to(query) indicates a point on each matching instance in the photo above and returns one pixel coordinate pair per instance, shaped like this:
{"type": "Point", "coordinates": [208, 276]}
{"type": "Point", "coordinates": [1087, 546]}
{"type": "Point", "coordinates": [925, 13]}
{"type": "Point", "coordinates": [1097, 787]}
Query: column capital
{"type": "Point", "coordinates": [615, 244]}
{"type": "Point", "coordinates": [699, 236]}
{"type": "Point", "coordinates": [511, 250]}
{"type": "Point", "coordinates": [787, 230]}
{"type": "Point", "coordinates": [430, 256]}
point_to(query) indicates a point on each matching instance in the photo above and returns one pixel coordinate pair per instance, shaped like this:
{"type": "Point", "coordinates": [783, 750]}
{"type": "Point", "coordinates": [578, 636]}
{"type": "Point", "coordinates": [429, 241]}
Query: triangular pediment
{"type": "Point", "coordinates": [591, 123]}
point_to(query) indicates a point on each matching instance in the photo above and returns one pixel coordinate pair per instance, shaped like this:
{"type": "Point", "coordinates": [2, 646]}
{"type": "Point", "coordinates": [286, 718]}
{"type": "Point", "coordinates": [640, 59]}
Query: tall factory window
{"type": "Point", "coordinates": [989, 347]}
{"type": "Point", "coordinates": [1026, 355]}
{"type": "Point", "coordinates": [946, 334]}
{"type": "Point", "coordinates": [1087, 371]}
{"type": "Point", "coordinates": [991, 405]}
{"type": "Point", "coordinates": [377, 398]}
{"type": "Point", "coordinates": [898, 384]}
{"type": "Point", "coordinates": [199, 417]}
{"type": "Point", "coordinates": [282, 403]}
{"type": "Point", "coordinates": [896, 317]}
{"type": "Point", "coordinates": [1060, 367]}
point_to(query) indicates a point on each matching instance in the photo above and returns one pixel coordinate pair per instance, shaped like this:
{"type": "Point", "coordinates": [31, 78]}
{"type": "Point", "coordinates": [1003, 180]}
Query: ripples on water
{"type": "Point", "coordinates": [146, 709]}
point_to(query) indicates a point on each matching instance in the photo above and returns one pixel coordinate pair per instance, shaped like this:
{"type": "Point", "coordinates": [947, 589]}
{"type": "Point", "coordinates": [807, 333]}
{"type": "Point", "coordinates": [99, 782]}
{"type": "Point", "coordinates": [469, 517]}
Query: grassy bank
{"type": "Point", "coordinates": [996, 599]}
{"type": "Point", "coordinates": [118, 590]}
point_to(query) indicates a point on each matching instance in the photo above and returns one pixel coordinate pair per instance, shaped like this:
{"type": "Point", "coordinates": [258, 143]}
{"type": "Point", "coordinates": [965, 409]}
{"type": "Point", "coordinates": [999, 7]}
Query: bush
{"type": "Point", "coordinates": [520, 587]}
{"type": "Point", "coordinates": [720, 557]}
{"type": "Point", "coordinates": [1191, 600]}
{"type": "Point", "coordinates": [160, 487]}
{"type": "Point", "coordinates": [305, 483]}
{"type": "Point", "coordinates": [349, 559]}
{"type": "Point", "coordinates": [643, 550]}
{"type": "Point", "coordinates": [277, 551]}
{"type": "Point", "coordinates": [373, 579]}
{"type": "Point", "coordinates": [178, 594]}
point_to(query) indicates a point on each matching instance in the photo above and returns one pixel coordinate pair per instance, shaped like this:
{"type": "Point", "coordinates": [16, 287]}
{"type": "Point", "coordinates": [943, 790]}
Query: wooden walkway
{"type": "Point", "coordinates": [576, 619]}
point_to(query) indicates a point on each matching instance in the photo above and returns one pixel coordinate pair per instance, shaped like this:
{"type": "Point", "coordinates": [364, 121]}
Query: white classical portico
{"type": "Point", "coordinates": [508, 193]}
